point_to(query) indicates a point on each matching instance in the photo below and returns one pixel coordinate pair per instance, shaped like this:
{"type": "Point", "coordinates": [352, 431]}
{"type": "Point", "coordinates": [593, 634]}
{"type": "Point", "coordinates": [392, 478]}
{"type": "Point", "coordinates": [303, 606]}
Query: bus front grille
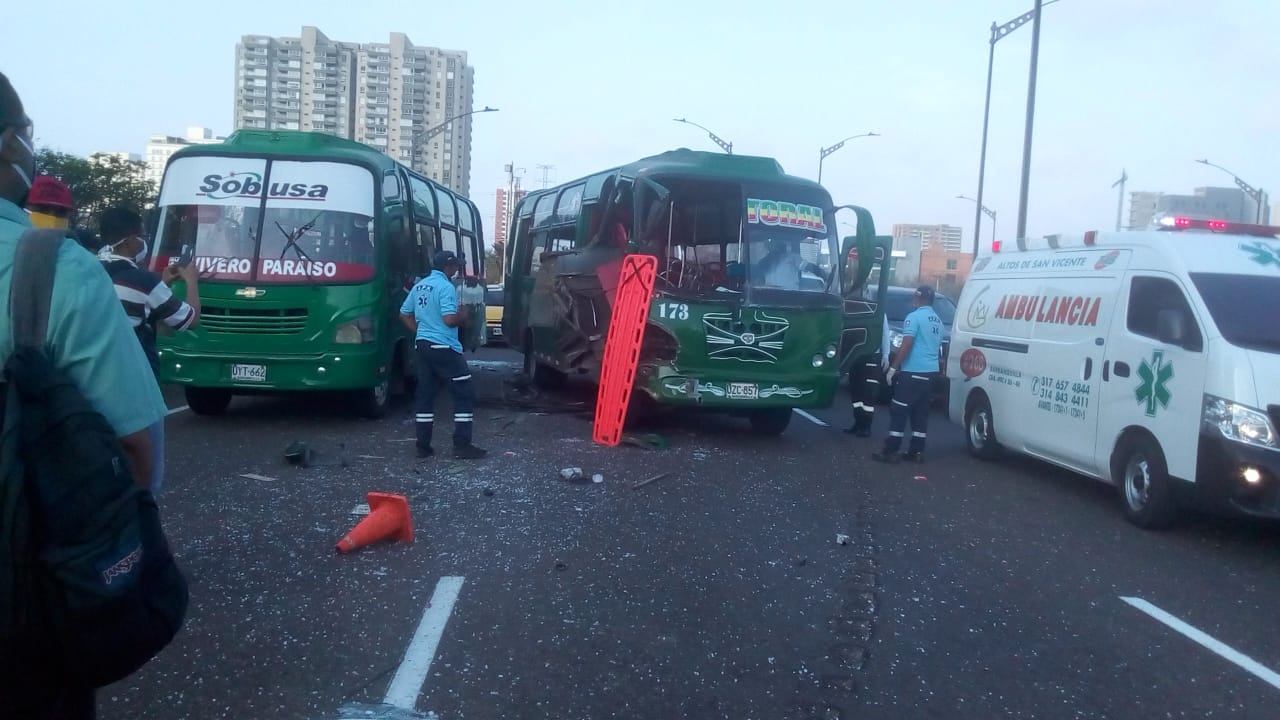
{"type": "Point", "coordinates": [253, 321]}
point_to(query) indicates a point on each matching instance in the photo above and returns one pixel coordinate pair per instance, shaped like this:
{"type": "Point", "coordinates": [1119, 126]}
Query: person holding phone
{"type": "Point", "coordinates": [146, 297]}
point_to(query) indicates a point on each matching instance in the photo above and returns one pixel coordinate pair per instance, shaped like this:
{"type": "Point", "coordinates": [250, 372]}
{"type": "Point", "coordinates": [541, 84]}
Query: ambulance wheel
{"type": "Point", "coordinates": [373, 402]}
{"type": "Point", "coordinates": [980, 429]}
{"type": "Point", "coordinates": [770, 421]}
{"type": "Point", "coordinates": [1146, 491]}
{"type": "Point", "coordinates": [207, 401]}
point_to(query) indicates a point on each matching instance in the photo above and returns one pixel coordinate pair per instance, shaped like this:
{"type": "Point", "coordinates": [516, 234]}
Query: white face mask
{"type": "Point", "coordinates": [18, 168]}
{"type": "Point", "coordinates": [142, 254]}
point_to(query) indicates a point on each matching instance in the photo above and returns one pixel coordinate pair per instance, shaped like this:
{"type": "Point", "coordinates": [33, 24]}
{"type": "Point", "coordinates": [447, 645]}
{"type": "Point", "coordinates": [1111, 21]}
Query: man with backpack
{"type": "Point", "coordinates": [75, 459]}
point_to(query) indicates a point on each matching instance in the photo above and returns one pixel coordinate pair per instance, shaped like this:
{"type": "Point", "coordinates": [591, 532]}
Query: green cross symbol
{"type": "Point", "coordinates": [1155, 380]}
{"type": "Point", "coordinates": [1262, 253]}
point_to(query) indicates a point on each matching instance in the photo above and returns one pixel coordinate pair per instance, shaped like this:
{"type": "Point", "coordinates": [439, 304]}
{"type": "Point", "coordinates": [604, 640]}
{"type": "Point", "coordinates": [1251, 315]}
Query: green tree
{"type": "Point", "coordinates": [98, 182]}
{"type": "Point", "coordinates": [493, 264]}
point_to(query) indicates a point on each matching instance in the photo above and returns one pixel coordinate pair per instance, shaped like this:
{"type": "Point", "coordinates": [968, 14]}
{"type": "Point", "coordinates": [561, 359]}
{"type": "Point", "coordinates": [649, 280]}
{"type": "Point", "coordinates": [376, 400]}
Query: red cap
{"type": "Point", "coordinates": [47, 190]}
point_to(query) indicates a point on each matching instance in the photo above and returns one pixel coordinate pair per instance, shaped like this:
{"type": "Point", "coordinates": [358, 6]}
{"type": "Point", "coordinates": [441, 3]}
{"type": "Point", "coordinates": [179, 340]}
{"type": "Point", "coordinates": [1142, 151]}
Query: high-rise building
{"type": "Point", "coordinates": [914, 240]}
{"type": "Point", "coordinates": [161, 147]}
{"type": "Point", "coordinates": [1207, 203]}
{"type": "Point", "coordinates": [395, 96]}
{"type": "Point", "coordinates": [1142, 208]}
{"type": "Point", "coordinates": [506, 203]}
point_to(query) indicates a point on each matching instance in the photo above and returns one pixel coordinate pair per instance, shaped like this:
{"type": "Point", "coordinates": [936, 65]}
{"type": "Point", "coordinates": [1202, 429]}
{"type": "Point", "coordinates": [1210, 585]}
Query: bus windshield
{"type": "Point", "coordinates": [711, 237]}
{"type": "Point", "coordinates": [289, 222]}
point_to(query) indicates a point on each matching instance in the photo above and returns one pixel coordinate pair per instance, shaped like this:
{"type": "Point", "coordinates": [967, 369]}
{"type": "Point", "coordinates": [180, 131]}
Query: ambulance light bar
{"type": "Point", "coordinates": [1176, 223]}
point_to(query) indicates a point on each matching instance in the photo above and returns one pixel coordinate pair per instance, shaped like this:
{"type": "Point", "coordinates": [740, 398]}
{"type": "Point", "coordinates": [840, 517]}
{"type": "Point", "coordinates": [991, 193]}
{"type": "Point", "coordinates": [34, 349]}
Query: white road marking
{"type": "Point", "coordinates": [407, 684]}
{"type": "Point", "coordinates": [177, 410]}
{"type": "Point", "coordinates": [810, 418]}
{"type": "Point", "coordinates": [1245, 662]}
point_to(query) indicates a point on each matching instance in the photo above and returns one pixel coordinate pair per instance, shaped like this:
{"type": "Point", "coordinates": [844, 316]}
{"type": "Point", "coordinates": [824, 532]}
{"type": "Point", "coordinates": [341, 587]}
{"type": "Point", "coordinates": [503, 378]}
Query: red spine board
{"type": "Point", "coordinates": [622, 347]}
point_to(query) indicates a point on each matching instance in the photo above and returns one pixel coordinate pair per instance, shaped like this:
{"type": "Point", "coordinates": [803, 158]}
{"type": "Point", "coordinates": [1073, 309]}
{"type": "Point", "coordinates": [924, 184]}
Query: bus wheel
{"type": "Point", "coordinates": [543, 377]}
{"type": "Point", "coordinates": [770, 421]}
{"type": "Point", "coordinates": [980, 429]}
{"type": "Point", "coordinates": [374, 401]}
{"type": "Point", "coordinates": [207, 401]}
{"type": "Point", "coordinates": [1146, 491]}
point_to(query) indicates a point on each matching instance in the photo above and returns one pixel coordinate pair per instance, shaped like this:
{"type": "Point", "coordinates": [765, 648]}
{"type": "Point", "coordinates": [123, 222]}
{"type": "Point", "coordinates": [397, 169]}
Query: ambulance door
{"type": "Point", "coordinates": [1071, 320]}
{"type": "Point", "coordinates": [1154, 372]}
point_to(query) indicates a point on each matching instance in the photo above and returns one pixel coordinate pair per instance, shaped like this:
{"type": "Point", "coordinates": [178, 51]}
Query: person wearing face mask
{"type": "Point", "coordinates": [89, 340]}
{"type": "Point", "coordinates": [49, 203]}
{"type": "Point", "coordinates": [147, 299]}
{"type": "Point", "coordinates": [432, 313]}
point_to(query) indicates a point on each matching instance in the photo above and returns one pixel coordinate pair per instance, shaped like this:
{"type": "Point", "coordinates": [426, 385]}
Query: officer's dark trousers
{"type": "Point", "coordinates": [864, 387]}
{"type": "Point", "coordinates": [911, 394]}
{"type": "Point", "coordinates": [439, 364]}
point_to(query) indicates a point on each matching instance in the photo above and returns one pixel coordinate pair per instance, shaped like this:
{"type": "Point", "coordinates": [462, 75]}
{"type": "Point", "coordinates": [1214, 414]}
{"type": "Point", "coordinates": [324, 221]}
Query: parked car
{"type": "Point", "coordinates": [897, 305]}
{"type": "Point", "coordinates": [493, 301]}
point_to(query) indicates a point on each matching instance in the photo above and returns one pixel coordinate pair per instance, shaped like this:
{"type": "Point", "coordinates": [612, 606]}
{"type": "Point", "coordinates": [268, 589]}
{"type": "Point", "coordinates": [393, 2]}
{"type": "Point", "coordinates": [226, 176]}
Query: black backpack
{"type": "Point", "coordinates": [89, 591]}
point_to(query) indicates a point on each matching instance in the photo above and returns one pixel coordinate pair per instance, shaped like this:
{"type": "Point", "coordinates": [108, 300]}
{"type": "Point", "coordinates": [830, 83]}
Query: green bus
{"type": "Point", "coordinates": [306, 245]}
{"type": "Point", "coordinates": [757, 306]}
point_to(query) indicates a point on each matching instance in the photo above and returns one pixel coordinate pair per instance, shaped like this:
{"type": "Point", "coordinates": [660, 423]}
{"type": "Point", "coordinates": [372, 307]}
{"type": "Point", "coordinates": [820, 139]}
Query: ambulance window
{"type": "Point", "coordinates": [1148, 296]}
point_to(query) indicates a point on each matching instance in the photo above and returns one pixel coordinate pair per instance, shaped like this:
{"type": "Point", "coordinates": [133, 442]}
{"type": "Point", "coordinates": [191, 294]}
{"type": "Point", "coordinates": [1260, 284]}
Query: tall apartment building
{"type": "Point", "coordinates": [913, 240]}
{"type": "Point", "coordinates": [505, 204]}
{"type": "Point", "coordinates": [161, 147]}
{"type": "Point", "coordinates": [1142, 208]}
{"type": "Point", "coordinates": [393, 96]}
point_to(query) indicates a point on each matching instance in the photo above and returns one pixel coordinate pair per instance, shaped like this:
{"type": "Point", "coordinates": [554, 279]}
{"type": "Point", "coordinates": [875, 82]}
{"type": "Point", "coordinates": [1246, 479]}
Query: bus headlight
{"type": "Point", "coordinates": [354, 332]}
{"type": "Point", "coordinates": [1238, 422]}
{"type": "Point", "coordinates": [831, 351]}
{"type": "Point", "coordinates": [818, 360]}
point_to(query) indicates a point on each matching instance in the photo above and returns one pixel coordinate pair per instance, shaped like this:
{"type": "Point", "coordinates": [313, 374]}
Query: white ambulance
{"type": "Point", "coordinates": [1147, 359]}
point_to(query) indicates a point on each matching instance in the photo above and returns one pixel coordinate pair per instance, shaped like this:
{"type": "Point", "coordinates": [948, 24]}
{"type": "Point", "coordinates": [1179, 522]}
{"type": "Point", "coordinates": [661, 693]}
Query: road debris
{"type": "Point", "coordinates": [921, 477]}
{"type": "Point", "coordinates": [842, 539]}
{"type": "Point", "coordinates": [487, 492]}
{"type": "Point", "coordinates": [298, 453]}
{"type": "Point", "coordinates": [255, 476]}
{"type": "Point", "coordinates": [361, 509]}
{"type": "Point", "coordinates": [597, 478]}
{"type": "Point", "coordinates": [655, 478]}
{"type": "Point", "coordinates": [571, 473]}
{"type": "Point", "coordinates": [561, 567]}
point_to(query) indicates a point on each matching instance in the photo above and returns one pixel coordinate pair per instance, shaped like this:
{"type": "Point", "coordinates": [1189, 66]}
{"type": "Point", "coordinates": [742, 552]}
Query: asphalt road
{"type": "Point", "coordinates": [966, 590]}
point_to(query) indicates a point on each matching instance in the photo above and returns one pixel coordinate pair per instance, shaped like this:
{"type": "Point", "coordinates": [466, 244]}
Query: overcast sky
{"type": "Point", "coordinates": [1143, 85]}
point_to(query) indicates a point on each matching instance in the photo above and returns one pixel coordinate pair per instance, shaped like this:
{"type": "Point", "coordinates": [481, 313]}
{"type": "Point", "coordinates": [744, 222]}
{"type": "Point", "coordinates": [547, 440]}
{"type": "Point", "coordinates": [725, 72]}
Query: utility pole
{"type": "Point", "coordinates": [1124, 177]}
{"type": "Point", "coordinates": [546, 171]}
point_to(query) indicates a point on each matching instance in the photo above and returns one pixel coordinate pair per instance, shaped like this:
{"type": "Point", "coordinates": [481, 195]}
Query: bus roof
{"type": "Point", "coordinates": [692, 163]}
{"type": "Point", "coordinates": [287, 143]}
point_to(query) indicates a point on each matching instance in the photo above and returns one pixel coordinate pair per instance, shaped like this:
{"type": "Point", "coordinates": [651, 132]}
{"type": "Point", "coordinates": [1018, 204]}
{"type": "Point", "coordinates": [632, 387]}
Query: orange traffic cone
{"type": "Point", "coordinates": [388, 519]}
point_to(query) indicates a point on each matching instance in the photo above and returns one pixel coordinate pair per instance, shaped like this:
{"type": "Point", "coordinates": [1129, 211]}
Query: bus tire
{"type": "Point", "coordinates": [980, 429]}
{"type": "Point", "coordinates": [1146, 490]}
{"type": "Point", "coordinates": [542, 376]}
{"type": "Point", "coordinates": [207, 401]}
{"type": "Point", "coordinates": [373, 402]}
{"type": "Point", "coordinates": [770, 421]}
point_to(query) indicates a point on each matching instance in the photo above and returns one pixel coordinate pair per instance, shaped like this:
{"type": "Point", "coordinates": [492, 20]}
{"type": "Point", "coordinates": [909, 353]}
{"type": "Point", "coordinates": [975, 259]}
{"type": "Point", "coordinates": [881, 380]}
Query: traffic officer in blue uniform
{"type": "Point", "coordinates": [431, 311]}
{"type": "Point", "coordinates": [912, 374]}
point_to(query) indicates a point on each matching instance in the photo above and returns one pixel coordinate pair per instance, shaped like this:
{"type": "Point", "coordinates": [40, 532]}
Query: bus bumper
{"type": "Point", "coordinates": [354, 369]}
{"type": "Point", "coordinates": [668, 387]}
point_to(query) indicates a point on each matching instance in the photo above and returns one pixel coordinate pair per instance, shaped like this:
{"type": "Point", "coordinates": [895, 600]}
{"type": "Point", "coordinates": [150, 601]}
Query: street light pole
{"type": "Point", "coordinates": [724, 145]}
{"type": "Point", "coordinates": [435, 130]}
{"type": "Point", "coordinates": [1256, 193]}
{"type": "Point", "coordinates": [1024, 187]}
{"type": "Point", "coordinates": [998, 32]}
{"type": "Point", "coordinates": [824, 152]}
{"type": "Point", "coordinates": [981, 209]}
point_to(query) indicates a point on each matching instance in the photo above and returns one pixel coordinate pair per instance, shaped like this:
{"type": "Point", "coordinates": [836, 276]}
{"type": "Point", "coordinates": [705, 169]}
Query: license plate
{"type": "Point", "coordinates": [744, 391]}
{"type": "Point", "coordinates": [249, 373]}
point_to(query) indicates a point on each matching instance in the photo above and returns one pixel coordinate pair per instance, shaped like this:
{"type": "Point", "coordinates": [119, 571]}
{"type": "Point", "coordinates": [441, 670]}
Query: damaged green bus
{"type": "Point", "coordinates": [757, 307]}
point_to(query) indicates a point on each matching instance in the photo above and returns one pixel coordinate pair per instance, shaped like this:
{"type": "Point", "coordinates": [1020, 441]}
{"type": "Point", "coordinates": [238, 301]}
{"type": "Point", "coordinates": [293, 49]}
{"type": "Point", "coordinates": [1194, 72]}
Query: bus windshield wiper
{"type": "Point", "coordinates": [291, 239]}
